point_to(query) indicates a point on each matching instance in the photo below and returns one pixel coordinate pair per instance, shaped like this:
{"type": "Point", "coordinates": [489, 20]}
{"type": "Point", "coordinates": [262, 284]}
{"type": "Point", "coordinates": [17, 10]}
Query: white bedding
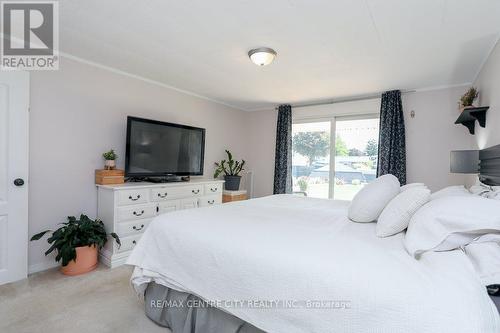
{"type": "Point", "coordinates": [293, 248]}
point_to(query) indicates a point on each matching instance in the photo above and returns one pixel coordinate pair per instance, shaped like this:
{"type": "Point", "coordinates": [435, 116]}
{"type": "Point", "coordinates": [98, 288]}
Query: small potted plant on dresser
{"type": "Point", "coordinates": [77, 243]}
{"type": "Point", "coordinates": [110, 158]}
{"type": "Point", "coordinates": [231, 170]}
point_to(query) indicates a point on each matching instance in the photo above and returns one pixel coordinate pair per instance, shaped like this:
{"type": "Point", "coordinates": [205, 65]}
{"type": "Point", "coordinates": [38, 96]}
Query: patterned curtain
{"type": "Point", "coordinates": [392, 146]}
{"type": "Point", "coordinates": [283, 157]}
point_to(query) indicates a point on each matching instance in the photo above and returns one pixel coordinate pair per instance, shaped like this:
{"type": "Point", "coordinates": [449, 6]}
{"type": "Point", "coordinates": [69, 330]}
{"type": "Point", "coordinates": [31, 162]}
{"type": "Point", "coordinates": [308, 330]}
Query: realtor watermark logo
{"type": "Point", "coordinates": [30, 35]}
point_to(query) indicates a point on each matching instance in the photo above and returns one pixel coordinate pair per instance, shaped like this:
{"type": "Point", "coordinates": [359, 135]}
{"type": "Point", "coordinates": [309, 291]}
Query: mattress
{"type": "Point", "coordinates": [293, 264]}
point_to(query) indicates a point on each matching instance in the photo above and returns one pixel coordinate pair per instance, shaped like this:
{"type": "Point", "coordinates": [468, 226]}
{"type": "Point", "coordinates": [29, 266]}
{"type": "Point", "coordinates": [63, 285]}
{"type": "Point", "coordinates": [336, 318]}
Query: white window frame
{"type": "Point", "coordinates": [333, 134]}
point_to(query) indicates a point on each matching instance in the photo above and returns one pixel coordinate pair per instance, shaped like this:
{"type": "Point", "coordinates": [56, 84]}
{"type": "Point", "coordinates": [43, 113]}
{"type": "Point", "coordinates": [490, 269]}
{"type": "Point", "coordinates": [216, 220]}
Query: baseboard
{"type": "Point", "coordinates": [113, 260]}
{"type": "Point", "coordinates": [43, 266]}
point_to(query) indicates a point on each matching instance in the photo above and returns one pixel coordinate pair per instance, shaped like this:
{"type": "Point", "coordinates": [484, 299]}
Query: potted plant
{"type": "Point", "coordinates": [110, 158]}
{"type": "Point", "coordinates": [77, 243]}
{"type": "Point", "coordinates": [468, 98]}
{"type": "Point", "coordinates": [231, 170]}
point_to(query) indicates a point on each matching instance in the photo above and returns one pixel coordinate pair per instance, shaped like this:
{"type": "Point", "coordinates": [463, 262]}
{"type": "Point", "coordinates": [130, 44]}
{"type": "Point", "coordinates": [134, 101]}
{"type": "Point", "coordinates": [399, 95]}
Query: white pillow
{"type": "Point", "coordinates": [485, 258]}
{"type": "Point", "coordinates": [485, 191]}
{"type": "Point", "coordinates": [397, 214]}
{"type": "Point", "coordinates": [451, 222]}
{"type": "Point", "coordinates": [458, 190]}
{"type": "Point", "coordinates": [372, 199]}
{"type": "Point", "coordinates": [412, 185]}
{"type": "Point", "coordinates": [479, 189]}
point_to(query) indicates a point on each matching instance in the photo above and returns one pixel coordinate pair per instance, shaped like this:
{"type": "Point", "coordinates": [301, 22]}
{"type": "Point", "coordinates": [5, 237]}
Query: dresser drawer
{"type": "Point", "coordinates": [132, 228]}
{"type": "Point", "coordinates": [162, 194]}
{"type": "Point", "coordinates": [194, 191]}
{"type": "Point", "coordinates": [169, 206]}
{"type": "Point", "coordinates": [133, 197]}
{"type": "Point", "coordinates": [189, 203]}
{"type": "Point", "coordinates": [213, 188]}
{"type": "Point", "coordinates": [166, 193]}
{"type": "Point", "coordinates": [128, 243]}
{"type": "Point", "coordinates": [210, 200]}
{"type": "Point", "coordinates": [136, 212]}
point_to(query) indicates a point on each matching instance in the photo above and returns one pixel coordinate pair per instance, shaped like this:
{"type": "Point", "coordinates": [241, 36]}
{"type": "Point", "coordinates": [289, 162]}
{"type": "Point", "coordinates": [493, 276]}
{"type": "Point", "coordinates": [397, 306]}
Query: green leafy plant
{"type": "Point", "coordinates": [468, 98]}
{"type": "Point", "coordinates": [229, 167]}
{"type": "Point", "coordinates": [73, 234]}
{"type": "Point", "coordinates": [303, 184]}
{"type": "Point", "coordinates": [110, 155]}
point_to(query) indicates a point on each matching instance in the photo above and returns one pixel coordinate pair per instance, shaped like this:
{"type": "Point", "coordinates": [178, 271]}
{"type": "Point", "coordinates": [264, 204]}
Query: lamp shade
{"type": "Point", "coordinates": [464, 161]}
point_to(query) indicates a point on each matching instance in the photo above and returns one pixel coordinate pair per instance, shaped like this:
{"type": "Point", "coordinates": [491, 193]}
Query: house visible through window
{"type": "Point", "coordinates": [349, 144]}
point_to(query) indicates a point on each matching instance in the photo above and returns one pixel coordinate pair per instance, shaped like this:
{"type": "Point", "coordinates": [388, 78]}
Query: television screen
{"type": "Point", "coordinates": [157, 148]}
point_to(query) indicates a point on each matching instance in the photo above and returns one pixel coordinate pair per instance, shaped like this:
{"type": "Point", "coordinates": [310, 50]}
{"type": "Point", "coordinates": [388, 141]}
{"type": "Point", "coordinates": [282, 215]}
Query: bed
{"type": "Point", "coordinates": [291, 264]}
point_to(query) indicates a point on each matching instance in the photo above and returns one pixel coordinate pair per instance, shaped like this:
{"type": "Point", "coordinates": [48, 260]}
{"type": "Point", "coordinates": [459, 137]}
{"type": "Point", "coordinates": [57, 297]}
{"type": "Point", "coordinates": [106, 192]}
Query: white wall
{"type": "Point", "coordinates": [262, 146]}
{"type": "Point", "coordinates": [488, 84]}
{"type": "Point", "coordinates": [430, 136]}
{"type": "Point", "coordinates": [79, 112]}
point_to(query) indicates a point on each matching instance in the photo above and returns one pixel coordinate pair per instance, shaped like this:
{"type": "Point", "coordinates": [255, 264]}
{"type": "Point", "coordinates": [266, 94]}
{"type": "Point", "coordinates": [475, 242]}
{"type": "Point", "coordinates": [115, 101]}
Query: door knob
{"type": "Point", "coordinates": [19, 182]}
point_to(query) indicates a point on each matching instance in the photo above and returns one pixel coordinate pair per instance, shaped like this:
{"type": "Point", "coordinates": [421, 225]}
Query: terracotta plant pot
{"type": "Point", "coordinates": [109, 164]}
{"type": "Point", "coordinates": [86, 261]}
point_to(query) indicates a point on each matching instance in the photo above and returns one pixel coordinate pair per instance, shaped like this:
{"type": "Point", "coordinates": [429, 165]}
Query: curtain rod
{"type": "Point", "coordinates": [344, 100]}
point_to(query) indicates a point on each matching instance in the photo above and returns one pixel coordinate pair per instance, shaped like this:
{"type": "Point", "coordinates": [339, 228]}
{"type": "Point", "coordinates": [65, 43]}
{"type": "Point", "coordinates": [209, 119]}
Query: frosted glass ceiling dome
{"type": "Point", "coordinates": [262, 56]}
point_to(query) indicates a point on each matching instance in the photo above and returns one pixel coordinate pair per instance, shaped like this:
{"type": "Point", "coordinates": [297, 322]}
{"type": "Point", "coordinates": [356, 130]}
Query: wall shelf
{"type": "Point", "coordinates": [469, 116]}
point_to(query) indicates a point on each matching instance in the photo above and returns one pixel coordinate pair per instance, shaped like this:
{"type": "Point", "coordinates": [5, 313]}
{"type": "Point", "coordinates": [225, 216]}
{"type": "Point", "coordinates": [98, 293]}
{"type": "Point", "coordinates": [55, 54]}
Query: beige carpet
{"type": "Point", "coordinates": [100, 301]}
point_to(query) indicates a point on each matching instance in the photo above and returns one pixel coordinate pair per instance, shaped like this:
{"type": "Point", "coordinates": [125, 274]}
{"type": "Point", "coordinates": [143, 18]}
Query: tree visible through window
{"type": "Point", "coordinates": [356, 150]}
{"type": "Point", "coordinates": [312, 145]}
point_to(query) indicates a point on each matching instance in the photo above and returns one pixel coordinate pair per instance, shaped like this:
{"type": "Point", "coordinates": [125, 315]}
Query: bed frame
{"type": "Point", "coordinates": [489, 166]}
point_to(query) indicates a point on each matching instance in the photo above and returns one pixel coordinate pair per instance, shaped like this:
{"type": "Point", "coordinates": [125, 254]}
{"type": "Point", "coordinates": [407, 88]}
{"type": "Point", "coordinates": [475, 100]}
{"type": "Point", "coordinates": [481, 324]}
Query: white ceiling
{"type": "Point", "coordinates": [326, 48]}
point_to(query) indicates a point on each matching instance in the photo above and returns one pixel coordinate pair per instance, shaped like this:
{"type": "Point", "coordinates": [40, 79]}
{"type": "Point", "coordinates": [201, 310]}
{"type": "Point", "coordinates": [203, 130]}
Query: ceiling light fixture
{"type": "Point", "coordinates": [262, 56]}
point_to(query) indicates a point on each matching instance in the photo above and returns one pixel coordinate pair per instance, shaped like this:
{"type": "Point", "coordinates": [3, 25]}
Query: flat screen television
{"type": "Point", "coordinates": [159, 149]}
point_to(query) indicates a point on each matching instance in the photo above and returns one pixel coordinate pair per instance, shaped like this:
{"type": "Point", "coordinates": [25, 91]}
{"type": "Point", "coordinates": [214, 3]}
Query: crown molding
{"type": "Point", "coordinates": [144, 79]}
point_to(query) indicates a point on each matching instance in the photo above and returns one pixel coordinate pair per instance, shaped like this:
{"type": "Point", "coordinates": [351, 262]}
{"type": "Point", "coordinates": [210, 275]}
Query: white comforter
{"type": "Point", "coordinates": [295, 249]}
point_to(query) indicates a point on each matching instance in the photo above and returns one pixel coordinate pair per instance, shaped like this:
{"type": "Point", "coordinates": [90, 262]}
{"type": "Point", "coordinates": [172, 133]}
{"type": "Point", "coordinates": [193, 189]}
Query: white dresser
{"type": "Point", "coordinates": [127, 209]}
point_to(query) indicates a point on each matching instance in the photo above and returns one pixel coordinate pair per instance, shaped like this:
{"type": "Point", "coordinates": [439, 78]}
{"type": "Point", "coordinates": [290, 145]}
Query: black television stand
{"type": "Point", "coordinates": [165, 179]}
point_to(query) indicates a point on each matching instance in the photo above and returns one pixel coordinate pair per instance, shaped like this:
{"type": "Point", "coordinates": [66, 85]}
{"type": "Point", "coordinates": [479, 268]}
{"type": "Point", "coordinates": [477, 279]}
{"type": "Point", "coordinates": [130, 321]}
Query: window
{"type": "Point", "coordinates": [350, 144]}
{"type": "Point", "coordinates": [311, 158]}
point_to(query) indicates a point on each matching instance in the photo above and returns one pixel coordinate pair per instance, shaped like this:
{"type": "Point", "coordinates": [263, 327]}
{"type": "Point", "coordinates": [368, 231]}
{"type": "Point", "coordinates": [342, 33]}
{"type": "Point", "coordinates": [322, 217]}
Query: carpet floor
{"type": "Point", "coordinates": [100, 301]}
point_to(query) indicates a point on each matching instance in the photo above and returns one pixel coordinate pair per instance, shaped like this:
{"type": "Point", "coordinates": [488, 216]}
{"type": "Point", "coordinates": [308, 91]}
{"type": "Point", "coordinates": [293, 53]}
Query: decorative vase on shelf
{"type": "Point", "coordinates": [467, 99]}
{"type": "Point", "coordinates": [109, 164]}
{"type": "Point", "coordinates": [463, 107]}
{"type": "Point", "coordinates": [110, 159]}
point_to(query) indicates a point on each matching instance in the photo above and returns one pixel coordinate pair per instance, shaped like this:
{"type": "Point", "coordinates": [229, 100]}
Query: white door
{"type": "Point", "coordinates": [14, 104]}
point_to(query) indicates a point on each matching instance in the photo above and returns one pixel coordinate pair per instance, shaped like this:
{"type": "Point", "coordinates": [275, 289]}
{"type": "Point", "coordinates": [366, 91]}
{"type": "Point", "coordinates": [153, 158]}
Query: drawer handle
{"type": "Point", "coordinates": [162, 195]}
{"type": "Point", "coordinates": [213, 189]}
{"type": "Point", "coordinates": [138, 214]}
{"type": "Point", "coordinates": [195, 191]}
{"type": "Point", "coordinates": [137, 198]}
{"type": "Point", "coordinates": [134, 242]}
{"type": "Point", "coordinates": [211, 202]}
{"type": "Point", "coordinates": [138, 229]}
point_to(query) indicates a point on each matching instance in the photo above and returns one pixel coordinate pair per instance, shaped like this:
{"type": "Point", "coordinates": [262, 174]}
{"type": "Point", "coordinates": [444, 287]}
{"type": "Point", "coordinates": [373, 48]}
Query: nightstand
{"type": "Point", "coordinates": [230, 196]}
